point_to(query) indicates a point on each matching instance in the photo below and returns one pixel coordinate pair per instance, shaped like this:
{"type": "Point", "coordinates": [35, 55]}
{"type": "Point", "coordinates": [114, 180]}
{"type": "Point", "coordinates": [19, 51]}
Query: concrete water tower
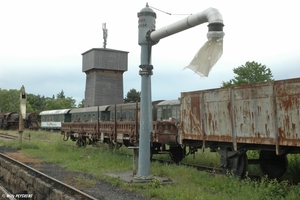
{"type": "Point", "coordinates": [104, 70]}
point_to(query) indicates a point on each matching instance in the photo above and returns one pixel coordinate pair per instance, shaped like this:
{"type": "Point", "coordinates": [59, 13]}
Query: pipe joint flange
{"type": "Point", "coordinates": [146, 70]}
{"type": "Point", "coordinates": [215, 27]}
{"type": "Point", "coordinates": [148, 38]}
{"type": "Point", "coordinates": [145, 73]}
{"type": "Point", "coordinates": [146, 67]}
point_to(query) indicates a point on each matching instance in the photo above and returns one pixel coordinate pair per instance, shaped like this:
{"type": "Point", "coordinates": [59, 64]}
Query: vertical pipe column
{"type": "Point", "coordinates": [146, 23]}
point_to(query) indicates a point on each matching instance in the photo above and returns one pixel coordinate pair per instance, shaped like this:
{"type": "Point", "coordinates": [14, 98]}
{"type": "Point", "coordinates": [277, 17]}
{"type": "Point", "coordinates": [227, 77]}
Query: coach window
{"type": "Point", "coordinates": [164, 112]}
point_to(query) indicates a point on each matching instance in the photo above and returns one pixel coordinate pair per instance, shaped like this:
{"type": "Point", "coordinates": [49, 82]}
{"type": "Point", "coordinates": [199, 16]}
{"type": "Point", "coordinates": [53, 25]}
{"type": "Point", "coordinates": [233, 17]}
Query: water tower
{"type": "Point", "coordinates": [104, 70]}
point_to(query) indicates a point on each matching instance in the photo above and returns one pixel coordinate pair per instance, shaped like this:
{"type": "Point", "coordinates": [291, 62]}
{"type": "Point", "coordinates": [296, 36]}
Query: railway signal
{"type": "Point", "coordinates": [22, 114]}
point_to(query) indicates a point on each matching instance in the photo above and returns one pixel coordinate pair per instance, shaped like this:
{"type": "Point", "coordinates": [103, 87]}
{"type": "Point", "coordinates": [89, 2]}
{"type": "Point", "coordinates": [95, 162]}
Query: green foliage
{"type": "Point", "coordinates": [10, 102]}
{"type": "Point", "coordinates": [155, 183]}
{"type": "Point", "coordinates": [293, 172]}
{"type": "Point", "coordinates": [81, 104]}
{"type": "Point", "coordinates": [52, 104]}
{"type": "Point", "coordinates": [35, 103]}
{"type": "Point", "coordinates": [61, 95]}
{"type": "Point", "coordinates": [132, 96]}
{"type": "Point", "coordinates": [272, 189]}
{"type": "Point", "coordinates": [251, 72]}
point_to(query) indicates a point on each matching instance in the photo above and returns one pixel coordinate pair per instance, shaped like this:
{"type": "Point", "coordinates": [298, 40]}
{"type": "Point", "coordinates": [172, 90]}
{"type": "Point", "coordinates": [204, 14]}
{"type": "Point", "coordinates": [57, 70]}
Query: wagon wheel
{"type": "Point", "coordinates": [114, 145]}
{"type": "Point", "coordinates": [81, 142]}
{"type": "Point", "coordinates": [155, 148]}
{"type": "Point", "coordinates": [84, 142]}
{"type": "Point", "coordinates": [273, 165]}
{"type": "Point", "coordinates": [237, 165]}
{"type": "Point", "coordinates": [118, 145]}
{"type": "Point", "coordinates": [177, 153]}
{"type": "Point", "coordinates": [241, 165]}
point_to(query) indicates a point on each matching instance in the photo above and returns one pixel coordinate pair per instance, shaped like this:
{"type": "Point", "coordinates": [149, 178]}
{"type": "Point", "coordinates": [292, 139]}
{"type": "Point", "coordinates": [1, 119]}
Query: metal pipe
{"type": "Point", "coordinates": [211, 51]}
{"type": "Point", "coordinates": [210, 15]}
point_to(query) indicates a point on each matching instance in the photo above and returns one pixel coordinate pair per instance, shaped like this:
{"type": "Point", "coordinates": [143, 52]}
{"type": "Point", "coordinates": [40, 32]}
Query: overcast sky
{"type": "Point", "coordinates": [41, 42]}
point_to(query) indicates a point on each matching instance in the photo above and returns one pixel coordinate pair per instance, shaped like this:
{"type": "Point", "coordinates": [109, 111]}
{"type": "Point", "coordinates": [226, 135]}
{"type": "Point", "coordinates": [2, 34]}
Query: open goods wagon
{"type": "Point", "coordinates": [263, 116]}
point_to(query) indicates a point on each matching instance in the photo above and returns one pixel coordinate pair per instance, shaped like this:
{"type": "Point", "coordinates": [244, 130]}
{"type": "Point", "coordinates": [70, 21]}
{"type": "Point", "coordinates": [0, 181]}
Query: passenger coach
{"type": "Point", "coordinates": [52, 119]}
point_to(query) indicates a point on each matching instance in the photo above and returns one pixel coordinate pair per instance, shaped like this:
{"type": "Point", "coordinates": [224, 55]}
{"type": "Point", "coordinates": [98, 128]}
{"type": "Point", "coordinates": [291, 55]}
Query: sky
{"type": "Point", "coordinates": [41, 43]}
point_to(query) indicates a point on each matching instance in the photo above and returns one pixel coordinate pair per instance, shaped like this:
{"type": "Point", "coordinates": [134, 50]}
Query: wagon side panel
{"type": "Point", "coordinates": [206, 116]}
{"type": "Point", "coordinates": [238, 115]}
{"type": "Point", "coordinates": [190, 116]}
{"type": "Point", "coordinates": [254, 114]}
{"type": "Point", "coordinates": [216, 115]}
{"type": "Point", "coordinates": [288, 112]}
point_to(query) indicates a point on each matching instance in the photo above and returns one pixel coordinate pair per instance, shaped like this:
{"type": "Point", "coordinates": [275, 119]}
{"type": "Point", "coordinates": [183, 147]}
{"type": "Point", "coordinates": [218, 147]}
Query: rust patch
{"type": "Point", "coordinates": [287, 103]}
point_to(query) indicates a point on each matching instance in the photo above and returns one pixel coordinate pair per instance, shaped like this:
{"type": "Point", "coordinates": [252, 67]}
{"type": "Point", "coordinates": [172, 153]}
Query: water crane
{"type": "Point", "coordinates": [202, 63]}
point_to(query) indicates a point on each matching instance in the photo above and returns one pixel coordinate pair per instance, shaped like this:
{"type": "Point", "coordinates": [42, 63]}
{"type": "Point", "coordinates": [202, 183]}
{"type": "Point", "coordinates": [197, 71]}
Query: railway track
{"type": "Point", "coordinates": [212, 170]}
{"type": "Point", "coordinates": [54, 184]}
{"type": "Point", "coordinates": [208, 169]}
{"type": "Point", "coordinates": [7, 136]}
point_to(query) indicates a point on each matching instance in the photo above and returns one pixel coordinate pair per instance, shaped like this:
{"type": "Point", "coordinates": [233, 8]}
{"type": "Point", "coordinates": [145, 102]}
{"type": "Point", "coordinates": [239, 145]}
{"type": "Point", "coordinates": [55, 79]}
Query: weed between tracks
{"type": "Point", "coordinates": [188, 182]}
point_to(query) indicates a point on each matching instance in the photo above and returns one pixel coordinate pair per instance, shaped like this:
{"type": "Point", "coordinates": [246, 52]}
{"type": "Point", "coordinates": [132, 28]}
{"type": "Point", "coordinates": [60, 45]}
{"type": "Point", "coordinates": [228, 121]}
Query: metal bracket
{"type": "Point", "coordinates": [148, 38]}
{"type": "Point", "coordinates": [228, 157]}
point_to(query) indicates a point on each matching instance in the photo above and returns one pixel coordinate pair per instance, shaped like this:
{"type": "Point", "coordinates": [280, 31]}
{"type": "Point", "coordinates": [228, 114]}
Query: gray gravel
{"type": "Point", "coordinates": [102, 190]}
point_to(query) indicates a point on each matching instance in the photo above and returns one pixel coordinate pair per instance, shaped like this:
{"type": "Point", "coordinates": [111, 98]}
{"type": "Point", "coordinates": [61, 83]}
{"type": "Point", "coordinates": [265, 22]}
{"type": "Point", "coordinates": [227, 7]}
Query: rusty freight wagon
{"type": "Point", "coordinates": [230, 121]}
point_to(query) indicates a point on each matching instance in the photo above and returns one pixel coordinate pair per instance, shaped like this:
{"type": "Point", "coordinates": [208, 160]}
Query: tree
{"type": "Point", "coordinates": [251, 72]}
{"type": "Point", "coordinates": [61, 95]}
{"type": "Point", "coordinates": [54, 104]}
{"type": "Point", "coordinates": [10, 102]}
{"type": "Point", "coordinates": [132, 96]}
{"type": "Point", "coordinates": [81, 104]}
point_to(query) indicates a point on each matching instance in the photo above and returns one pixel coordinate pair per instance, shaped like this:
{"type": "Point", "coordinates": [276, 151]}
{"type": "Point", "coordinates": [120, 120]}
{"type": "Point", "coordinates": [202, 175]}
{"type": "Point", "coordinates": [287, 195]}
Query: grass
{"type": "Point", "coordinates": [188, 182]}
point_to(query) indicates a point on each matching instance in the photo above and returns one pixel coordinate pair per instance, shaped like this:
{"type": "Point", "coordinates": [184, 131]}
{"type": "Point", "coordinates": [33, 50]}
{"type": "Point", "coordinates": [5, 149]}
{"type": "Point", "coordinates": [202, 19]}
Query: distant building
{"type": "Point", "coordinates": [104, 70]}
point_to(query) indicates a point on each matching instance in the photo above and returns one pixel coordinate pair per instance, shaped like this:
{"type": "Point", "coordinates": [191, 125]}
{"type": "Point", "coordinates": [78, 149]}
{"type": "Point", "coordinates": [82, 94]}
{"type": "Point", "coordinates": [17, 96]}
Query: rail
{"type": "Point", "coordinates": [65, 190]}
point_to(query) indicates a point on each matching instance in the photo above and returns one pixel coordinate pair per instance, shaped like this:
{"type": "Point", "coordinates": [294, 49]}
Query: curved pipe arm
{"type": "Point", "coordinates": [210, 15]}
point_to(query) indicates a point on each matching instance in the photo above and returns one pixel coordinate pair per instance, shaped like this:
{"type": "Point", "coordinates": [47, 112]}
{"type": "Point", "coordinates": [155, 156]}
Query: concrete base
{"type": "Point", "coordinates": [129, 178]}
